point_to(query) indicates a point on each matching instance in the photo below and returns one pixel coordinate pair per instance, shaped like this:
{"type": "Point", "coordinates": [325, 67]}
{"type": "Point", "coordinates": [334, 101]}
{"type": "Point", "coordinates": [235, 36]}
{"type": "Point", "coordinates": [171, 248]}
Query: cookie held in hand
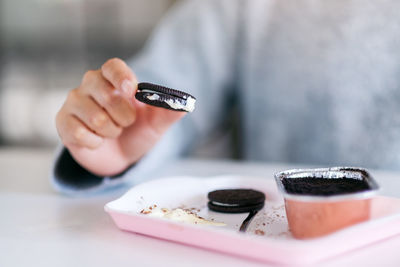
{"type": "Point", "coordinates": [160, 96]}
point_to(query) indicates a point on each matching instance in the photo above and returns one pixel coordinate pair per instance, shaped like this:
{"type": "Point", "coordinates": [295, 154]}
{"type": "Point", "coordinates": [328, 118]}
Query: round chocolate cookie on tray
{"type": "Point", "coordinates": [160, 96]}
{"type": "Point", "coordinates": [235, 200]}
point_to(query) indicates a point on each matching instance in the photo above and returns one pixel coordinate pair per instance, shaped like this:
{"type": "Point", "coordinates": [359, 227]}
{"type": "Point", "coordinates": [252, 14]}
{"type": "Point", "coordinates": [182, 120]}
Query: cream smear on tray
{"type": "Point", "coordinates": [179, 215]}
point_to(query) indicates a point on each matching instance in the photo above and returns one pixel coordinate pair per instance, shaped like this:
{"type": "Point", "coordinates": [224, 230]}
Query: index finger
{"type": "Point", "coordinates": [120, 76]}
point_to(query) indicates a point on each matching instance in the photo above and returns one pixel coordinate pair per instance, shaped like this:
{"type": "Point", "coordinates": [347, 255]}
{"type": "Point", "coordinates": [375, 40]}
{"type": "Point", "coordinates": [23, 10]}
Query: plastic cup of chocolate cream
{"type": "Point", "coordinates": [322, 201]}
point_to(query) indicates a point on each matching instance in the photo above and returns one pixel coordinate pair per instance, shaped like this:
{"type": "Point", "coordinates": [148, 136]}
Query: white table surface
{"type": "Point", "coordinates": [39, 227]}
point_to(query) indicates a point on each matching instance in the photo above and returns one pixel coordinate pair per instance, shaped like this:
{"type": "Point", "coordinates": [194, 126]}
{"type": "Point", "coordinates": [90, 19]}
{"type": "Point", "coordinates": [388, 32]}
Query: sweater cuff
{"type": "Point", "coordinates": [71, 178]}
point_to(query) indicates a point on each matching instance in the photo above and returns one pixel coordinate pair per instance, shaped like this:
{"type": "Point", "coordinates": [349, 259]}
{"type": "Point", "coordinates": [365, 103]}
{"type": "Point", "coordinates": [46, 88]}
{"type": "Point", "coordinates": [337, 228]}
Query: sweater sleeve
{"type": "Point", "coordinates": [191, 50]}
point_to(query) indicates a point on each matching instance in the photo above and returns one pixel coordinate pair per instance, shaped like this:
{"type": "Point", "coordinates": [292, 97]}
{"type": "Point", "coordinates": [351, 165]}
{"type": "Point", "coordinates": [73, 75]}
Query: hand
{"type": "Point", "coordinates": [104, 127]}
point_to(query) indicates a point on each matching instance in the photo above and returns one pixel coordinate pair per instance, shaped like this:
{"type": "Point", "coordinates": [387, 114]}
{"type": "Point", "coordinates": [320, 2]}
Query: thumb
{"type": "Point", "coordinates": [159, 119]}
{"type": "Point", "coordinates": [150, 125]}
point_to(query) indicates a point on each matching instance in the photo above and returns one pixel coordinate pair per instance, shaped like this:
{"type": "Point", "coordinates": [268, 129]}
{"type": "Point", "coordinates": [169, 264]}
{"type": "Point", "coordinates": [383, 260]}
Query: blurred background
{"type": "Point", "coordinates": [47, 45]}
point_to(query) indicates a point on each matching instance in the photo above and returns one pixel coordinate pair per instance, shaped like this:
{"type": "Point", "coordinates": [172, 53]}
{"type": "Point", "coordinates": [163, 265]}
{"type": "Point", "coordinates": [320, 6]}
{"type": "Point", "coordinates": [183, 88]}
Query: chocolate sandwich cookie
{"type": "Point", "coordinates": [237, 201]}
{"type": "Point", "coordinates": [160, 96]}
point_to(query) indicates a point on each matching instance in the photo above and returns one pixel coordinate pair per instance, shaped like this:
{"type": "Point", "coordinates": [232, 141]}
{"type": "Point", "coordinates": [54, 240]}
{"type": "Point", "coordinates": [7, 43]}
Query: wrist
{"type": "Point", "coordinates": [100, 163]}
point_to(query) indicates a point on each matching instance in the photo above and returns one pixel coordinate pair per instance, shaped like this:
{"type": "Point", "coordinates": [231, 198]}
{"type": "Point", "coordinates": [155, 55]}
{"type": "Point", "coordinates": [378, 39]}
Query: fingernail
{"type": "Point", "coordinates": [127, 87]}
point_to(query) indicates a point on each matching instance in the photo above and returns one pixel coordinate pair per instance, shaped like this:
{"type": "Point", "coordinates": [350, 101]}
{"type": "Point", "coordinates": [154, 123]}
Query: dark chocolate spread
{"type": "Point", "coordinates": [324, 186]}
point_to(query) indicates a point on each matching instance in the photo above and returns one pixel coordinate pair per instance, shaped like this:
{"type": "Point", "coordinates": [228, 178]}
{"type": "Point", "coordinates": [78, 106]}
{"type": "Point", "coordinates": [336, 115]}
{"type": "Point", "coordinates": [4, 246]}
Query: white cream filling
{"type": "Point", "coordinates": [174, 103]}
{"type": "Point", "coordinates": [153, 97]}
{"type": "Point", "coordinates": [190, 104]}
{"type": "Point", "coordinates": [224, 204]}
{"type": "Point", "coordinates": [179, 215]}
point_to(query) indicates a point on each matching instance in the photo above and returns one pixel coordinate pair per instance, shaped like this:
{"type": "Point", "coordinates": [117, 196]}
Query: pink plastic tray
{"type": "Point", "coordinates": [267, 238]}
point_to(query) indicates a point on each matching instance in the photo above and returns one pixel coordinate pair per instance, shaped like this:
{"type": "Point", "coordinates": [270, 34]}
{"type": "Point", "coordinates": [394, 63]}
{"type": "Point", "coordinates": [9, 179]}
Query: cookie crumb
{"type": "Point", "coordinates": [145, 211]}
{"type": "Point", "coordinates": [259, 232]}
